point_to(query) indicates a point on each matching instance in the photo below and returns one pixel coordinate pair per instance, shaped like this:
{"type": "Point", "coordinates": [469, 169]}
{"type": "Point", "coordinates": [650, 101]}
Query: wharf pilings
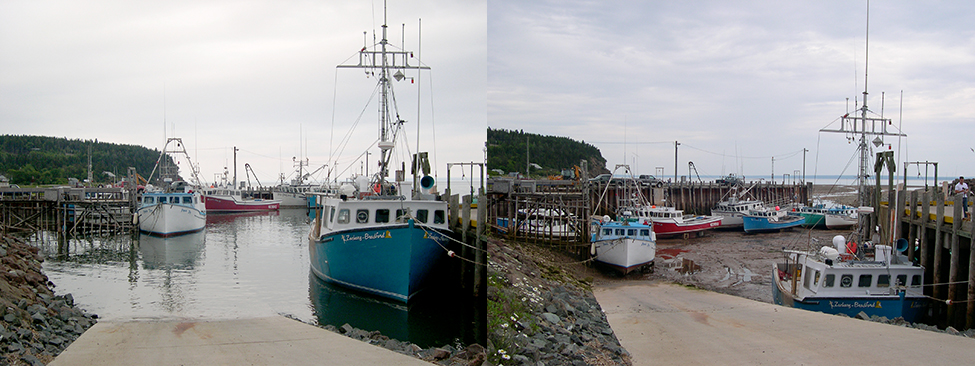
{"type": "Point", "coordinates": [561, 209]}
{"type": "Point", "coordinates": [939, 239]}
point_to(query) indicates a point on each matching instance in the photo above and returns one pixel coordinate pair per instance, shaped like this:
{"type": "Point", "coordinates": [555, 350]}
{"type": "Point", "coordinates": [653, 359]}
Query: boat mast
{"type": "Point", "coordinates": [385, 59]}
{"type": "Point", "coordinates": [863, 126]}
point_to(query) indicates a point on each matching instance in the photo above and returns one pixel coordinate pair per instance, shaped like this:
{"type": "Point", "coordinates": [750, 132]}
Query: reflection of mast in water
{"type": "Point", "coordinates": [174, 257]}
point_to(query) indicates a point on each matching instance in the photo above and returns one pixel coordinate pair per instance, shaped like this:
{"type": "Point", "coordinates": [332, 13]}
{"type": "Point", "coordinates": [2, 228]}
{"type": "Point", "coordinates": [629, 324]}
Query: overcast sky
{"type": "Point", "coordinates": [736, 83]}
{"type": "Point", "coordinates": [259, 75]}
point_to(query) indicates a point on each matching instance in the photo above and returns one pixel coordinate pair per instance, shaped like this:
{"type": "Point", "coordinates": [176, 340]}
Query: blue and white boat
{"type": "Point", "coordinates": [376, 236]}
{"type": "Point", "coordinates": [172, 212]}
{"type": "Point", "coordinates": [629, 242]}
{"type": "Point", "coordinates": [769, 219]}
{"type": "Point", "coordinates": [624, 245]}
{"type": "Point", "coordinates": [175, 208]}
{"type": "Point", "coordinates": [834, 282]}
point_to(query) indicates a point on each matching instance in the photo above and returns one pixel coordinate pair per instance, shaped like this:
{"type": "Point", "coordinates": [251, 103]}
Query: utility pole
{"type": "Point", "coordinates": [804, 150]}
{"type": "Point", "coordinates": [234, 183]}
{"type": "Point", "coordinates": [675, 161]}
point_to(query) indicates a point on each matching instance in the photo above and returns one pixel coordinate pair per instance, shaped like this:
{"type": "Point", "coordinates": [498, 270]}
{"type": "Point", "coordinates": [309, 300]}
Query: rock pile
{"type": "Point", "coordinates": [35, 325]}
{"type": "Point", "coordinates": [539, 312]}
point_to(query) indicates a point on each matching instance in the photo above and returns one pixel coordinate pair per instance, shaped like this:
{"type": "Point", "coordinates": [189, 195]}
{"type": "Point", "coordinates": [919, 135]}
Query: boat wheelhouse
{"type": "Point", "coordinates": [834, 282]}
{"type": "Point", "coordinates": [733, 210]}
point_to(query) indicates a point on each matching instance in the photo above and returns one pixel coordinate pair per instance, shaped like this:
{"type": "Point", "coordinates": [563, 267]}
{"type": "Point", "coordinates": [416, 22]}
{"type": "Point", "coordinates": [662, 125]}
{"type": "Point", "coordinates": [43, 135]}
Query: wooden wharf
{"type": "Point", "coordinates": [510, 201]}
{"type": "Point", "coordinates": [67, 211]}
{"type": "Point", "coordinates": [939, 238]}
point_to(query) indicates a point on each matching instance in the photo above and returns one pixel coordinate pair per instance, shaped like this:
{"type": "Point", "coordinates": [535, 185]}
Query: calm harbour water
{"type": "Point", "coordinates": [239, 266]}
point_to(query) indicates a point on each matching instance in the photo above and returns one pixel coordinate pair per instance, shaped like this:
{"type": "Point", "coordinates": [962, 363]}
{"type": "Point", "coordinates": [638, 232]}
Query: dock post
{"type": "Point", "coordinates": [955, 258]}
{"type": "Point", "coordinates": [970, 312]}
{"type": "Point", "coordinates": [939, 247]}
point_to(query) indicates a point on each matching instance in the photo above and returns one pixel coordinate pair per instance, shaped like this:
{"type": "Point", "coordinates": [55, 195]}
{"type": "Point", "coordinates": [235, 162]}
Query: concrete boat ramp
{"type": "Point", "coordinates": [666, 324]}
{"type": "Point", "coordinates": [259, 341]}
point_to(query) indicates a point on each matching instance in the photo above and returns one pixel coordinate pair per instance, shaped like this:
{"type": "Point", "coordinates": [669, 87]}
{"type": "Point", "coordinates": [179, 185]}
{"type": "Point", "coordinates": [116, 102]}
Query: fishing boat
{"type": "Point", "coordinates": [548, 222]}
{"type": "Point", "coordinates": [734, 207]}
{"type": "Point", "coordinates": [841, 217]}
{"type": "Point", "coordinates": [837, 282]}
{"type": "Point", "coordinates": [625, 245]}
{"type": "Point", "coordinates": [174, 208]}
{"type": "Point", "coordinates": [813, 216]}
{"type": "Point", "coordinates": [846, 278]}
{"type": "Point", "coordinates": [668, 221]}
{"type": "Point", "coordinates": [225, 199]}
{"type": "Point", "coordinates": [377, 236]}
{"type": "Point", "coordinates": [629, 242]}
{"type": "Point", "coordinates": [768, 219]}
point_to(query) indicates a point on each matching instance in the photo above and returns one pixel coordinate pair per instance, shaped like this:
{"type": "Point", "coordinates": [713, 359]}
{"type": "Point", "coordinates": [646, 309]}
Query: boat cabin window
{"type": "Point", "coordinates": [883, 280]}
{"type": "Point", "coordinates": [401, 215]}
{"type": "Point", "coordinates": [188, 200]}
{"type": "Point", "coordinates": [901, 280]}
{"type": "Point", "coordinates": [331, 215]}
{"type": "Point", "coordinates": [147, 200]}
{"type": "Point", "coordinates": [620, 232]}
{"type": "Point", "coordinates": [607, 231]}
{"type": "Point", "coordinates": [865, 281]}
{"type": "Point", "coordinates": [361, 216]}
{"type": "Point", "coordinates": [829, 280]}
{"type": "Point", "coordinates": [846, 281]}
{"type": "Point", "coordinates": [916, 281]}
{"type": "Point", "coordinates": [631, 232]}
{"type": "Point", "coordinates": [422, 215]}
{"type": "Point", "coordinates": [815, 278]}
{"type": "Point", "coordinates": [382, 215]}
{"type": "Point", "coordinates": [344, 216]}
{"type": "Point", "coordinates": [439, 217]}
{"type": "Point", "coordinates": [644, 232]}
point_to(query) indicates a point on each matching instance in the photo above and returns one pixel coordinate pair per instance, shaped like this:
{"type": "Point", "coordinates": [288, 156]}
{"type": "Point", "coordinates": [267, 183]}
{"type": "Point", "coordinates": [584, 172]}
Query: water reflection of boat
{"type": "Point", "coordinates": [175, 252]}
{"type": "Point", "coordinates": [429, 320]}
{"type": "Point", "coordinates": [224, 218]}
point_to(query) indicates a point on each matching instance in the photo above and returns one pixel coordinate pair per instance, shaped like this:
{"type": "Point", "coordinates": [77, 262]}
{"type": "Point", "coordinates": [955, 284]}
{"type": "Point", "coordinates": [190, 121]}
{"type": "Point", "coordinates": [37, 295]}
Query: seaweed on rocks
{"type": "Point", "coordinates": [541, 312]}
{"type": "Point", "coordinates": [35, 325]}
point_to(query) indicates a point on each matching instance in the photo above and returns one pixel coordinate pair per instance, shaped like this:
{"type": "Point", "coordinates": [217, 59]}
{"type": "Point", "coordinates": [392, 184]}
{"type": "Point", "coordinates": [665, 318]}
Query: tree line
{"type": "Point", "coordinates": [41, 160]}
{"type": "Point", "coordinates": [513, 151]}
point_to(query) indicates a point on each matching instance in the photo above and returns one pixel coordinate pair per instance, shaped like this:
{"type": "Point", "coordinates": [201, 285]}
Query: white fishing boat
{"type": "Point", "coordinates": [175, 207]}
{"type": "Point", "coordinates": [378, 236]}
{"type": "Point", "coordinates": [624, 245]}
{"type": "Point", "coordinates": [629, 242]}
{"type": "Point", "coordinates": [733, 209]}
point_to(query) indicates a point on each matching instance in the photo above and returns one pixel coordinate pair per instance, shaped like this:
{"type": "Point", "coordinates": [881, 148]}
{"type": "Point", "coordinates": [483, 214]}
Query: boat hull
{"type": "Point", "coordinates": [840, 221]}
{"type": "Point", "coordinates": [625, 254]}
{"type": "Point", "coordinates": [669, 228]}
{"type": "Point", "coordinates": [890, 306]}
{"type": "Point", "coordinates": [391, 261]}
{"type": "Point", "coordinates": [763, 224]}
{"type": "Point", "coordinates": [291, 199]}
{"type": "Point", "coordinates": [169, 219]}
{"type": "Point", "coordinates": [228, 204]}
{"type": "Point", "coordinates": [813, 220]}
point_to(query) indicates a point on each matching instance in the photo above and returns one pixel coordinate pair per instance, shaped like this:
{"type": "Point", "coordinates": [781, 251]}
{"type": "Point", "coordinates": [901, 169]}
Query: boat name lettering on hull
{"type": "Point", "coordinates": [366, 236]}
{"type": "Point", "coordinates": [855, 304]}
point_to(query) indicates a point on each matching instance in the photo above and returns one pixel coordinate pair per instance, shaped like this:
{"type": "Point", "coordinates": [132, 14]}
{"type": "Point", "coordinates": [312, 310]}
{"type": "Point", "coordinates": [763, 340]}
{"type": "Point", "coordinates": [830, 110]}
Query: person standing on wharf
{"type": "Point", "coordinates": [962, 188]}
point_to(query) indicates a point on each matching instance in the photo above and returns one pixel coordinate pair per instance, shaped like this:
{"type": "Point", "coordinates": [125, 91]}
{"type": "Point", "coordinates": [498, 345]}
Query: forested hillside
{"type": "Point", "coordinates": [506, 150]}
{"type": "Point", "coordinates": [38, 160]}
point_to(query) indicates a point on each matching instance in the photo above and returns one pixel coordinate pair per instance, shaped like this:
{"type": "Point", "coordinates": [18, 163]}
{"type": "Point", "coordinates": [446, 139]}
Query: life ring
{"type": "Point", "coordinates": [851, 247]}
